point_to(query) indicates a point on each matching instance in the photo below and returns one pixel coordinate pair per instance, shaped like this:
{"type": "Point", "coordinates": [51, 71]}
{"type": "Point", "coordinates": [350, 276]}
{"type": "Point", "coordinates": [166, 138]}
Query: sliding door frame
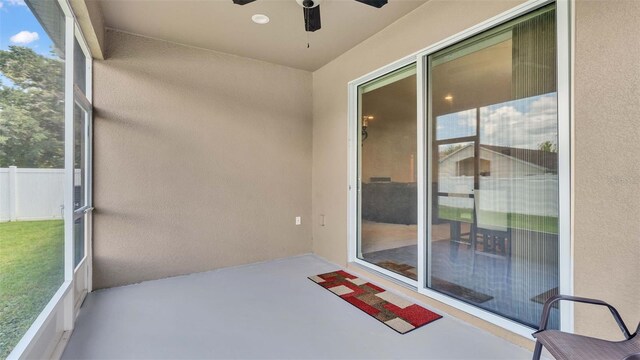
{"type": "Point", "coordinates": [354, 221]}
{"type": "Point", "coordinates": [84, 269]}
{"type": "Point", "coordinates": [564, 23]}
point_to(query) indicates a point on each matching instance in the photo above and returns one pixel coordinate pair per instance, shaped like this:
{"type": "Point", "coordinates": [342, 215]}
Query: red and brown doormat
{"type": "Point", "coordinates": [394, 311]}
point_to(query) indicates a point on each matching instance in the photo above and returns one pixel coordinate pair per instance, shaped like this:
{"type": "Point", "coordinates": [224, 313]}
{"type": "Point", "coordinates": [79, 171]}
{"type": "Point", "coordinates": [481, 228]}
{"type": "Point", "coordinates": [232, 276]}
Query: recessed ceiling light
{"type": "Point", "coordinates": [448, 97]}
{"type": "Point", "coordinates": [260, 19]}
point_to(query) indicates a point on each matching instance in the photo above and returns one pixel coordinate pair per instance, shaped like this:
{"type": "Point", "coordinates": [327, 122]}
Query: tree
{"type": "Point", "coordinates": [450, 150]}
{"type": "Point", "coordinates": [31, 110]}
{"type": "Point", "coordinates": [548, 146]}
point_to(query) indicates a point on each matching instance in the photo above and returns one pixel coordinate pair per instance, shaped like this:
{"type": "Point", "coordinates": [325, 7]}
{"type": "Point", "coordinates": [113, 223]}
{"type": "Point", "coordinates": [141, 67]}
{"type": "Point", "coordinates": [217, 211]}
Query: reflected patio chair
{"type": "Point", "coordinates": [492, 228]}
{"type": "Point", "coordinates": [567, 346]}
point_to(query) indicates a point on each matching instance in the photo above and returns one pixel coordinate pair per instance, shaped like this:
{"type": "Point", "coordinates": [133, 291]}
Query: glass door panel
{"type": "Point", "coordinates": [78, 239]}
{"type": "Point", "coordinates": [80, 167]}
{"type": "Point", "coordinates": [79, 157]}
{"type": "Point", "coordinates": [387, 235]}
{"type": "Point", "coordinates": [494, 204]}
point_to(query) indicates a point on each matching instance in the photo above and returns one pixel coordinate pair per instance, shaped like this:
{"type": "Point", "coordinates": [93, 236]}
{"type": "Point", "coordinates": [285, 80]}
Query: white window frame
{"type": "Point", "coordinates": [564, 23]}
{"type": "Point", "coordinates": [48, 334]}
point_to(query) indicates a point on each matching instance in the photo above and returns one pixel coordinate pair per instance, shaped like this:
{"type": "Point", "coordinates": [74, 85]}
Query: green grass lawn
{"type": "Point", "coordinates": [31, 271]}
{"type": "Point", "coordinates": [545, 224]}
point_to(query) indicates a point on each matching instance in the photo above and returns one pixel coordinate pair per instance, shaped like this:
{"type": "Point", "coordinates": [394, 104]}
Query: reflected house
{"type": "Point", "coordinates": [519, 185]}
{"type": "Point", "coordinates": [499, 162]}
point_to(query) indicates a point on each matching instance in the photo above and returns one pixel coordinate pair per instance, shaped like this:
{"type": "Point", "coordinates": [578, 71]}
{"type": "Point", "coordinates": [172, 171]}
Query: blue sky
{"type": "Point", "coordinates": [523, 123]}
{"type": "Point", "coordinates": [16, 18]}
{"type": "Point", "coordinates": [18, 26]}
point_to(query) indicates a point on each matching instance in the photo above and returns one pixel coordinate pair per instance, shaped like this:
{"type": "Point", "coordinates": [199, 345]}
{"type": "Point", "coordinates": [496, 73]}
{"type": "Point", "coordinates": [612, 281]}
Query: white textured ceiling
{"type": "Point", "coordinates": [223, 26]}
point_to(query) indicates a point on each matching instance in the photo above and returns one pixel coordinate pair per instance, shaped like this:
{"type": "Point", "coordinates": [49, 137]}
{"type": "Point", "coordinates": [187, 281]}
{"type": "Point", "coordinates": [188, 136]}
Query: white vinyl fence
{"type": "Point", "coordinates": [31, 194]}
{"type": "Point", "coordinates": [529, 195]}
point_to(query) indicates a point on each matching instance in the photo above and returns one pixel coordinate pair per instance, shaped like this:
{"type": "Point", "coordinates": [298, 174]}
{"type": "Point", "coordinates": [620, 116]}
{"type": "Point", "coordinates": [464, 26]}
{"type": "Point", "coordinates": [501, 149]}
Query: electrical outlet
{"type": "Point", "coordinates": [298, 220]}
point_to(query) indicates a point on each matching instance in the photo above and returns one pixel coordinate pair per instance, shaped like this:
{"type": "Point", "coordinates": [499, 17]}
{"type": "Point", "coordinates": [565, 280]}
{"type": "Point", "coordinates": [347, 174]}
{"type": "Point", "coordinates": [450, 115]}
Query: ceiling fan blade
{"type": "Point", "coordinates": [242, 2]}
{"type": "Point", "coordinates": [375, 3]}
{"type": "Point", "coordinates": [311, 18]}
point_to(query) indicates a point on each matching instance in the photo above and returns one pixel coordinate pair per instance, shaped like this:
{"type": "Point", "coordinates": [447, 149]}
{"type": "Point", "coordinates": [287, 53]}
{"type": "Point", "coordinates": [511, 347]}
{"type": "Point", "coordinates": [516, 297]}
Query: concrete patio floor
{"type": "Point", "coordinates": [261, 311]}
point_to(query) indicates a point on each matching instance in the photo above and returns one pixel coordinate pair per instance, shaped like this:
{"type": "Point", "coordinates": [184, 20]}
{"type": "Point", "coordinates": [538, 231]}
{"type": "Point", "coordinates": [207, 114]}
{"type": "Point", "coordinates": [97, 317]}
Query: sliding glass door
{"type": "Point", "coordinates": [460, 169]}
{"type": "Point", "coordinates": [387, 172]}
{"type": "Point", "coordinates": [492, 107]}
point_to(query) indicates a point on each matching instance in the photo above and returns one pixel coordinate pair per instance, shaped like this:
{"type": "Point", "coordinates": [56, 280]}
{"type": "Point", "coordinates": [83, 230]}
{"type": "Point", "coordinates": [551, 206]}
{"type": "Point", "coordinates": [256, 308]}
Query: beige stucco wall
{"type": "Point", "coordinates": [201, 160]}
{"type": "Point", "coordinates": [607, 196]}
{"type": "Point", "coordinates": [607, 162]}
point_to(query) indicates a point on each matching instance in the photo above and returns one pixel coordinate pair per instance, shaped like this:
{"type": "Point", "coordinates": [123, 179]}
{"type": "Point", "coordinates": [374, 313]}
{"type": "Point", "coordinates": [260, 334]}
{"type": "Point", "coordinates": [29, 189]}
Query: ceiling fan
{"type": "Point", "coordinates": [311, 10]}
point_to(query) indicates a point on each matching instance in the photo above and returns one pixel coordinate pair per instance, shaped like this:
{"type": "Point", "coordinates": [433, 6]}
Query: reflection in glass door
{"type": "Point", "coordinates": [387, 197]}
{"type": "Point", "coordinates": [493, 209]}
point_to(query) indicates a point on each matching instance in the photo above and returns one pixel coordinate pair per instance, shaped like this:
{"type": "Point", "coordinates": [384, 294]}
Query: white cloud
{"type": "Point", "coordinates": [24, 37]}
{"type": "Point", "coordinates": [16, 2]}
{"type": "Point", "coordinates": [458, 124]}
{"type": "Point", "coordinates": [524, 123]}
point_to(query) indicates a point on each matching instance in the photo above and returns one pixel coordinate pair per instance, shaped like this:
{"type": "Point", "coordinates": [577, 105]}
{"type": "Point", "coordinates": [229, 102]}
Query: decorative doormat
{"type": "Point", "coordinates": [403, 269]}
{"type": "Point", "coordinates": [394, 311]}
{"type": "Point", "coordinates": [439, 284]}
{"type": "Point", "coordinates": [459, 291]}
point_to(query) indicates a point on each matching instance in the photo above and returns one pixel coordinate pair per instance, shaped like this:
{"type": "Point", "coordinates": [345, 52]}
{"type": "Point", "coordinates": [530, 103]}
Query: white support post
{"type": "Point", "coordinates": [69, 300]}
{"type": "Point", "coordinates": [13, 194]}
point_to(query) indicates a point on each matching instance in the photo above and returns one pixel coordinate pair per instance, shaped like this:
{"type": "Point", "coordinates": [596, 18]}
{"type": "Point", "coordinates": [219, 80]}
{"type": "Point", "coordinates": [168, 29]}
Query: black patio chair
{"type": "Point", "coordinates": [566, 346]}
